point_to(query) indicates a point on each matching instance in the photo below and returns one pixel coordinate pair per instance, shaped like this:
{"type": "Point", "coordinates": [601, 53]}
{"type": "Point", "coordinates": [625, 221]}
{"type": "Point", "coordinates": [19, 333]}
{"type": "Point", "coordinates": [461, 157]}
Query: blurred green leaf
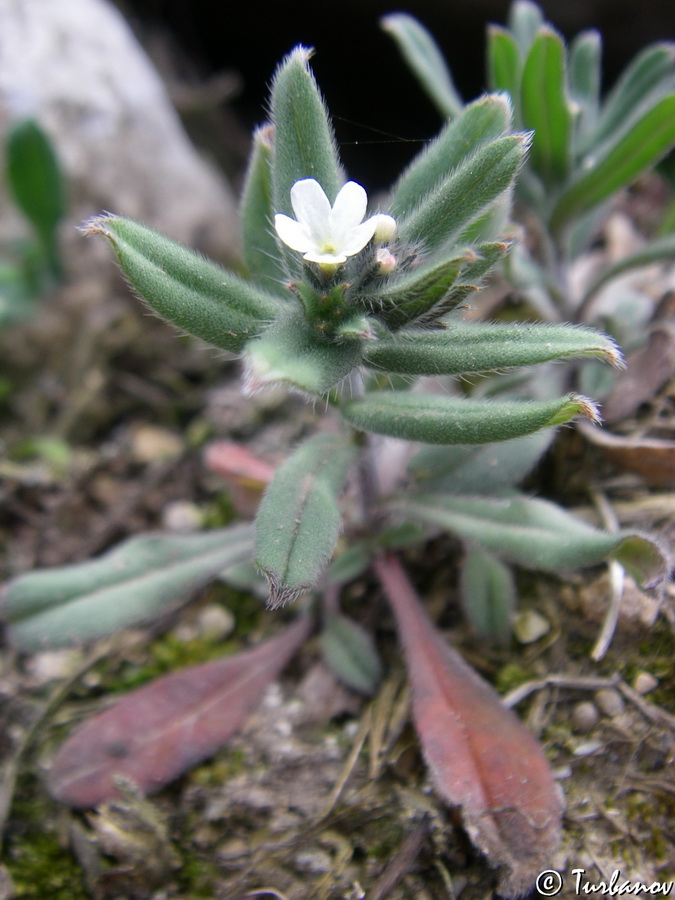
{"type": "Point", "coordinates": [135, 582]}
{"type": "Point", "coordinates": [659, 250]}
{"type": "Point", "coordinates": [463, 347]}
{"type": "Point", "coordinates": [436, 419]}
{"type": "Point", "coordinates": [642, 82]}
{"type": "Point", "coordinates": [584, 74]}
{"type": "Point", "coordinates": [421, 53]}
{"type": "Point", "coordinates": [299, 520]}
{"type": "Point", "coordinates": [36, 183]}
{"type": "Point", "coordinates": [488, 593]}
{"type": "Point", "coordinates": [349, 652]}
{"type": "Point", "coordinates": [504, 63]}
{"type": "Point", "coordinates": [618, 164]}
{"type": "Point", "coordinates": [539, 535]}
{"type": "Point", "coordinates": [524, 20]}
{"type": "Point", "coordinates": [490, 469]}
{"type": "Point", "coordinates": [545, 108]}
{"type": "Point", "coordinates": [194, 294]}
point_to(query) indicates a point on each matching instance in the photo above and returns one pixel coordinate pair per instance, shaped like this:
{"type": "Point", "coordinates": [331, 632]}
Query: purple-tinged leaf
{"type": "Point", "coordinates": [482, 758]}
{"type": "Point", "coordinates": [163, 729]}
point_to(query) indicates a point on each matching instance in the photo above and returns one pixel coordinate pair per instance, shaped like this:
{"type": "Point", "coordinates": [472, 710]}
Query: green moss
{"type": "Point", "coordinates": [511, 676]}
{"type": "Point", "coordinates": [38, 864]}
{"type": "Point", "coordinates": [41, 868]}
{"type": "Point", "coordinates": [227, 764]}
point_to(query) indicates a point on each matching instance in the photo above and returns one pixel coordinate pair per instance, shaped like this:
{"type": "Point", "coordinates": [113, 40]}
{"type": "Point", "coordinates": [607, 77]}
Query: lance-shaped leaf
{"type": "Point", "coordinates": [463, 347]}
{"type": "Point", "coordinates": [617, 164]}
{"type": "Point", "coordinates": [537, 534]}
{"type": "Point", "coordinates": [299, 519]}
{"type": "Point", "coordinates": [261, 251]}
{"type": "Point", "coordinates": [189, 291]}
{"type": "Point", "coordinates": [350, 654]}
{"type": "Point", "coordinates": [435, 419]}
{"type": "Point", "coordinates": [545, 109]}
{"type": "Point", "coordinates": [640, 83]}
{"type": "Point", "coordinates": [163, 729]}
{"type": "Point", "coordinates": [292, 353]}
{"type": "Point", "coordinates": [584, 74]}
{"type": "Point", "coordinates": [421, 52]}
{"type": "Point", "coordinates": [504, 63]}
{"type": "Point", "coordinates": [35, 180]}
{"type": "Point", "coordinates": [465, 193]}
{"type": "Point", "coordinates": [417, 294]}
{"type": "Point", "coordinates": [482, 121]}
{"type": "Point", "coordinates": [304, 146]}
{"type": "Point", "coordinates": [488, 593]}
{"type": "Point", "coordinates": [136, 582]}
{"type": "Point", "coordinates": [483, 760]}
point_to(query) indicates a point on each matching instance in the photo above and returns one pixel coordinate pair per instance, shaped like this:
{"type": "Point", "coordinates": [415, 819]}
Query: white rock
{"type": "Point", "coordinates": [76, 66]}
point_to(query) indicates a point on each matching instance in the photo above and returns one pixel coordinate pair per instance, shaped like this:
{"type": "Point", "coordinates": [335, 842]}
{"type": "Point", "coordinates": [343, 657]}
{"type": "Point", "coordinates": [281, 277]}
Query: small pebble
{"type": "Point", "coordinates": [182, 517]}
{"type": "Point", "coordinates": [585, 716]}
{"type": "Point", "coordinates": [610, 702]}
{"type": "Point", "coordinates": [530, 626]}
{"type": "Point", "coordinates": [644, 683]}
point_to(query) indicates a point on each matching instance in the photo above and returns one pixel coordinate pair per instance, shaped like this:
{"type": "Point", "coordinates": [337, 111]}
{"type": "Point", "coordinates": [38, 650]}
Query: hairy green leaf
{"type": "Point", "coordinates": [189, 291]}
{"type": "Point", "coordinates": [304, 145]}
{"type": "Point", "coordinates": [416, 293]}
{"type": "Point", "coordinates": [537, 534]}
{"type": "Point", "coordinates": [465, 193]}
{"type": "Point", "coordinates": [291, 353]}
{"type": "Point", "coordinates": [618, 164]}
{"type": "Point", "coordinates": [481, 122]}
{"type": "Point", "coordinates": [421, 52]}
{"type": "Point", "coordinates": [462, 347]}
{"type": "Point", "coordinates": [135, 582]}
{"type": "Point", "coordinates": [261, 252]}
{"type": "Point", "coordinates": [545, 108]}
{"type": "Point", "coordinates": [298, 522]}
{"type": "Point", "coordinates": [436, 419]}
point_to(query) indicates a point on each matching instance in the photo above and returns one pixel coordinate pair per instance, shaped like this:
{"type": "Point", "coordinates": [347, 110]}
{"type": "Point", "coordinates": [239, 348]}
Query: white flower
{"type": "Point", "coordinates": [328, 235]}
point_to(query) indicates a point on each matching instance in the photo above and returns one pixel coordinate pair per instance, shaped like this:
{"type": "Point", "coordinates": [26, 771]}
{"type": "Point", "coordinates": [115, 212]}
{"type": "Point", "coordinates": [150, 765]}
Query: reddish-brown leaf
{"type": "Point", "coordinates": [246, 474]}
{"type": "Point", "coordinates": [651, 457]}
{"type": "Point", "coordinates": [155, 733]}
{"type": "Point", "coordinates": [482, 758]}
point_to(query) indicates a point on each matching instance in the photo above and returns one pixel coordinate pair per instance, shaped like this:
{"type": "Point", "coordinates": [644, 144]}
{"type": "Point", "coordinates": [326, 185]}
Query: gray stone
{"type": "Point", "coordinates": [77, 68]}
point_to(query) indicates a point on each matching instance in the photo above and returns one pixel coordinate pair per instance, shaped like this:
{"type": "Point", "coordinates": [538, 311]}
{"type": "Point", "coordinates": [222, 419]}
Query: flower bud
{"type": "Point", "coordinates": [386, 261]}
{"type": "Point", "coordinates": [385, 228]}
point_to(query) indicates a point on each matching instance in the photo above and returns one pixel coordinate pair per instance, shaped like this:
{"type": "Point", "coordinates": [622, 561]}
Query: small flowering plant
{"type": "Point", "coordinates": [338, 304]}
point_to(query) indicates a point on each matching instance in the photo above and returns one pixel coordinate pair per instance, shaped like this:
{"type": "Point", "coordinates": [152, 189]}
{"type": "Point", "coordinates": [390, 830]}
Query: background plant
{"type": "Point", "coordinates": [356, 313]}
{"type": "Point", "coordinates": [36, 184]}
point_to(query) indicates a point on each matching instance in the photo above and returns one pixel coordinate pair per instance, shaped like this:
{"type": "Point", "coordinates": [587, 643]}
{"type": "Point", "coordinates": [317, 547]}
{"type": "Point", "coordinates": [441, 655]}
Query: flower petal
{"type": "Point", "coordinates": [294, 234]}
{"type": "Point", "coordinates": [349, 208]}
{"type": "Point", "coordinates": [312, 208]}
{"type": "Point", "coordinates": [324, 259]}
{"type": "Point", "coordinates": [357, 238]}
